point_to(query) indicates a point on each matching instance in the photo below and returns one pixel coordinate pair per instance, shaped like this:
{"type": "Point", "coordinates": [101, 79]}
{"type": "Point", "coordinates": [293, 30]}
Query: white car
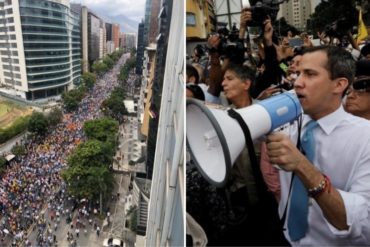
{"type": "Point", "coordinates": [113, 242]}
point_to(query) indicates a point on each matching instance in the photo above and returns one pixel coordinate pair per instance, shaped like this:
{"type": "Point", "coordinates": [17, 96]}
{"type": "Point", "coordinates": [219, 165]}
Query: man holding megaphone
{"type": "Point", "coordinates": [325, 178]}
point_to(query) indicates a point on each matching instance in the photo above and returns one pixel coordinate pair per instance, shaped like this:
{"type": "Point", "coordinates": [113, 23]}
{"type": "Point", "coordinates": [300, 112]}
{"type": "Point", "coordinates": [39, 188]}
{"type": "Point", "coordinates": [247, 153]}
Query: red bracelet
{"type": "Point", "coordinates": [325, 185]}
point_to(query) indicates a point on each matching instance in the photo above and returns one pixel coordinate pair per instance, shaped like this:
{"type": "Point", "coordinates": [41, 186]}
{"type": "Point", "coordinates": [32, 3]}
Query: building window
{"type": "Point", "coordinates": [190, 19]}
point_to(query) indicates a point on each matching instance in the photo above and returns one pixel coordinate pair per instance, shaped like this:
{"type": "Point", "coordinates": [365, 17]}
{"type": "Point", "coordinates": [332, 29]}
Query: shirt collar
{"type": "Point", "coordinates": [329, 122]}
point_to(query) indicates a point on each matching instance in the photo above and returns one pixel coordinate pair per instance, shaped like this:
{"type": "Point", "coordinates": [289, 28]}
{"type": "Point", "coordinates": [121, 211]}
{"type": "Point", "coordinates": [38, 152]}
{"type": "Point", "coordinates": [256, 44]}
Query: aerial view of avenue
{"type": "Point", "coordinates": [91, 123]}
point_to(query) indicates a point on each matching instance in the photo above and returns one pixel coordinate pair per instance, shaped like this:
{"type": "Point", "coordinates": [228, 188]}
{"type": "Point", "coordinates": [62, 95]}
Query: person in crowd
{"type": "Point", "coordinates": [193, 86]}
{"type": "Point", "coordinates": [358, 95]}
{"type": "Point", "coordinates": [247, 212]}
{"type": "Point", "coordinates": [365, 51]}
{"type": "Point", "coordinates": [194, 91]}
{"type": "Point", "coordinates": [199, 56]}
{"type": "Point", "coordinates": [325, 195]}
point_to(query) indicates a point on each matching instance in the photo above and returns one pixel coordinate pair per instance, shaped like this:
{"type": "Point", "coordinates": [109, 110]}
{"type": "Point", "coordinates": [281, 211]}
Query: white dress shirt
{"type": "Point", "coordinates": [342, 152]}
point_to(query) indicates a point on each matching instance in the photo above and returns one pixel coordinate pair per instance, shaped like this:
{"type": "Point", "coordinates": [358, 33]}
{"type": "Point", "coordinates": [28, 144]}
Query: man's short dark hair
{"type": "Point", "coordinates": [243, 72]}
{"type": "Point", "coordinates": [196, 91]}
{"type": "Point", "coordinates": [340, 62]}
{"type": "Point", "coordinates": [199, 50]}
{"type": "Point", "coordinates": [191, 71]}
{"type": "Point", "coordinates": [365, 50]}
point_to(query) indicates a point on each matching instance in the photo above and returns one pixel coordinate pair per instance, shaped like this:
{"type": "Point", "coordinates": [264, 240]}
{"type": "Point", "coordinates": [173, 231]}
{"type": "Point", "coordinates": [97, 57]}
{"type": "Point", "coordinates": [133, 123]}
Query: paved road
{"type": "Point", "coordinates": [114, 229]}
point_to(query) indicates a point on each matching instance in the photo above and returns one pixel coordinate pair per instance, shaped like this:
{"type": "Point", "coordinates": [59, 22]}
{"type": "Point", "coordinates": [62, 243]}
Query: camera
{"type": "Point", "coordinates": [231, 46]}
{"type": "Point", "coordinates": [261, 10]}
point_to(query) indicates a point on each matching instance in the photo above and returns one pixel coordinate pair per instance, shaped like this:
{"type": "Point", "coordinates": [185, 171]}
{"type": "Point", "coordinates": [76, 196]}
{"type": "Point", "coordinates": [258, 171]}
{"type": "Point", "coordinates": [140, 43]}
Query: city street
{"type": "Point", "coordinates": [62, 219]}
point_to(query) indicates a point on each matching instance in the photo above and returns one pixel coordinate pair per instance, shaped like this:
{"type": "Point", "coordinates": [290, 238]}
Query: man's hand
{"type": "Point", "coordinates": [268, 92]}
{"type": "Point", "coordinates": [283, 152]}
{"type": "Point", "coordinates": [245, 17]}
{"type": "Point", "coordinates": [214, 41]}
{"type": "Point", "coordinates": [268, 31]}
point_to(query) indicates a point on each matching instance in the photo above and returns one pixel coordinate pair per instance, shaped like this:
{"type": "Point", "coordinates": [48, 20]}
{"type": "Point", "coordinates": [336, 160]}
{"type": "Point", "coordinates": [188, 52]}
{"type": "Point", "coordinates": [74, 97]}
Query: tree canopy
{"type": "Point", "coordinates": [103, 129]}
{"type": "Point", "coordinates": [38, 123]}
{"type": "Point", "coordinates": [72, 98]}
{"type": "Point", "coordinates": [114, 106]}
{"type": "Point", "coordinates": [332, 10]}
{"type": "Point", "coordinates": [91, 153]}
{"type": "Point", "coordinates": [89, 79]}
{"type": "Point", "coordinates": [88, 182]}
{"type": "Point", "coordinates": [55, 116]}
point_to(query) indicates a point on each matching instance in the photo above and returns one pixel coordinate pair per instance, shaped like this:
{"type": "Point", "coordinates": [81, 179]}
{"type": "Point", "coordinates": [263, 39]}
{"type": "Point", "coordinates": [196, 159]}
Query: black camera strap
{"type": "Point", "coordinates": [260, 184]}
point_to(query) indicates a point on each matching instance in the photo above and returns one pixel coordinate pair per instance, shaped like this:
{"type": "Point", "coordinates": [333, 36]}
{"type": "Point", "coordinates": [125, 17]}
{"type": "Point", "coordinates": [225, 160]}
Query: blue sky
{"type": "Point", "coordinates": [128, 13]}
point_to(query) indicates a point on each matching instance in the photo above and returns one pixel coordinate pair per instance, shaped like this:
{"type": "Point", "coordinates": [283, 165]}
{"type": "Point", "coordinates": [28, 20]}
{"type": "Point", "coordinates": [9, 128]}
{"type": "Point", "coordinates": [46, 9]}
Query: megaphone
{"type": "Point", "coordinates": [215, 140]}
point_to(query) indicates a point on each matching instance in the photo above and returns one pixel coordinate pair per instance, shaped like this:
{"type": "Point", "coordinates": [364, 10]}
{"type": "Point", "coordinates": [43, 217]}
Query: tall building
{"type": "Point", "coordinates": [115, 35]}
{"type": "Point", "coordinates": [166, 216]}
{"type": "Point", "coordinates": [39, 48]}
{"type": "Point", "coordinates": [201, 18]}
{"type": "Point", "coordinates": [148, 7]}
{"type": "Point", "coordinates": [296, 13]}
{"type": "Point", "coordinates": [140, 49]}
{"type": "Point", "coordinates": [128, 40]}
{"type": "Point", "coordinates": [108, 29]}
{"type": "Point", "coordinates": [153, 24]}
{"type": "Point", "coordinates": [93, 33]}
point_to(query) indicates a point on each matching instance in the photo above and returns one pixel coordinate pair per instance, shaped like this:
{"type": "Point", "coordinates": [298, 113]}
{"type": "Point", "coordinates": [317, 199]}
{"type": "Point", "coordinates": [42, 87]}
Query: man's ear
{"type": "Point", "coordinates": [341, 84]}
{"type": "Point", "coordinates": [247, 84]}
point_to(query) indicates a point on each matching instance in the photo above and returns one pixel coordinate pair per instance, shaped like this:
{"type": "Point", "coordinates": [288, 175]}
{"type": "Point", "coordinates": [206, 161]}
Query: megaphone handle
{"type": "Point", "coordinates": [261, 186]}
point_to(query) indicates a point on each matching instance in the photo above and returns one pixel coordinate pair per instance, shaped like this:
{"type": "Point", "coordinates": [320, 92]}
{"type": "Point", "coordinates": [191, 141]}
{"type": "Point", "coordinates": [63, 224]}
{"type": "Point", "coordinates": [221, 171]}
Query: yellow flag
{"type": "Point", "coordinates": [362, 31]}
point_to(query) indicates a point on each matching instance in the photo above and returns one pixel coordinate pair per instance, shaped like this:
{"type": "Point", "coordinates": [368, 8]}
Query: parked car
{"type": "Point", "coordinates": [113, 242]}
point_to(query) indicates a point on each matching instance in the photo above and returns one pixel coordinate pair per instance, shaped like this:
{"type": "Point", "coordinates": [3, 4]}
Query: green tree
{"type": "Point", "coordinates": [89, 79]}
{"type": "Point", "coordinates": [282, 26]}
{"type": "Point", "coordinates": [109, 62]}
{"type": "Point", "coordinates": [99, 68]}
{"type": "Point", "coordinates": [2, 164]}
{"type": "Point", "coordinates": [114, 107]}
{"type": "Point", "coordinates": [91, 153]}
{"type": "Point", "coordinates": [55, 116]}
{"type": "Point", "coordinates": [18, 150]}
{"type": "Point", "coordinates": [329, 11]}
{"type": "Point", "coordinates": [72, 98]}
{"type": "Point", "coordinates": [38, 123]}
{"type": "Point", "coordinates": [88, 182]}
{"type": "Point", "coordinates": [132, 215]}
{"type": "Point", "coordinates": [103, 129]}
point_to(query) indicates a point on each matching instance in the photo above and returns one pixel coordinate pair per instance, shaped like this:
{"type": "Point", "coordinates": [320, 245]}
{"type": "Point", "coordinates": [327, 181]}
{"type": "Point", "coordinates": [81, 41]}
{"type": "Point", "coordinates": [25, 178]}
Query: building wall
{"type": "Point", "coordinates": [153, 25]}
{"type": "Point", "coordinates": [296, 13]}
{"type": "Point", "coordinates": [13, 76]}
{"type": "Point", "coordinates": [108, 28]}
{"type": "Point", "coordinates": [102, 42]}
{"type": "Point", "coordinates": [195, 27]}
{"type": "Point", "coordinates": [140, 49]}
{"type": "Point", "coordinates": [85, 39]}
{"type": "Point", "coordinates": [94, 32]}
{"type": "Point", "coordinates": [210, 16]}
{"type": "Point", "coordinates": [166, 206]}
{"type": "Point", "coordinates": [40, 55]}
{"type": "Point", "coordinates": [200, 18]}
{"type": "Point", "coordinates": [115, 35]}
{"type": "Point", "coordinates": [148, 6]}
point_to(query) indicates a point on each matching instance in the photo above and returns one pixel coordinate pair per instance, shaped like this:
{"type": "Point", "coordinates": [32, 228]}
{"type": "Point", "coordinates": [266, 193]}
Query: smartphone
{"type": "Point", "coordinates": [296, 42]}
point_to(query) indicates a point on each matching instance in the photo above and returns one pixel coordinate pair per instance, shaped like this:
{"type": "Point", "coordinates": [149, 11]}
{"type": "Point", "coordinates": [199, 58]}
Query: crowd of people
{"type": "Point", "coordinates": [33, 181]}
{"type": "Point", "coordinates": [332, 83]}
